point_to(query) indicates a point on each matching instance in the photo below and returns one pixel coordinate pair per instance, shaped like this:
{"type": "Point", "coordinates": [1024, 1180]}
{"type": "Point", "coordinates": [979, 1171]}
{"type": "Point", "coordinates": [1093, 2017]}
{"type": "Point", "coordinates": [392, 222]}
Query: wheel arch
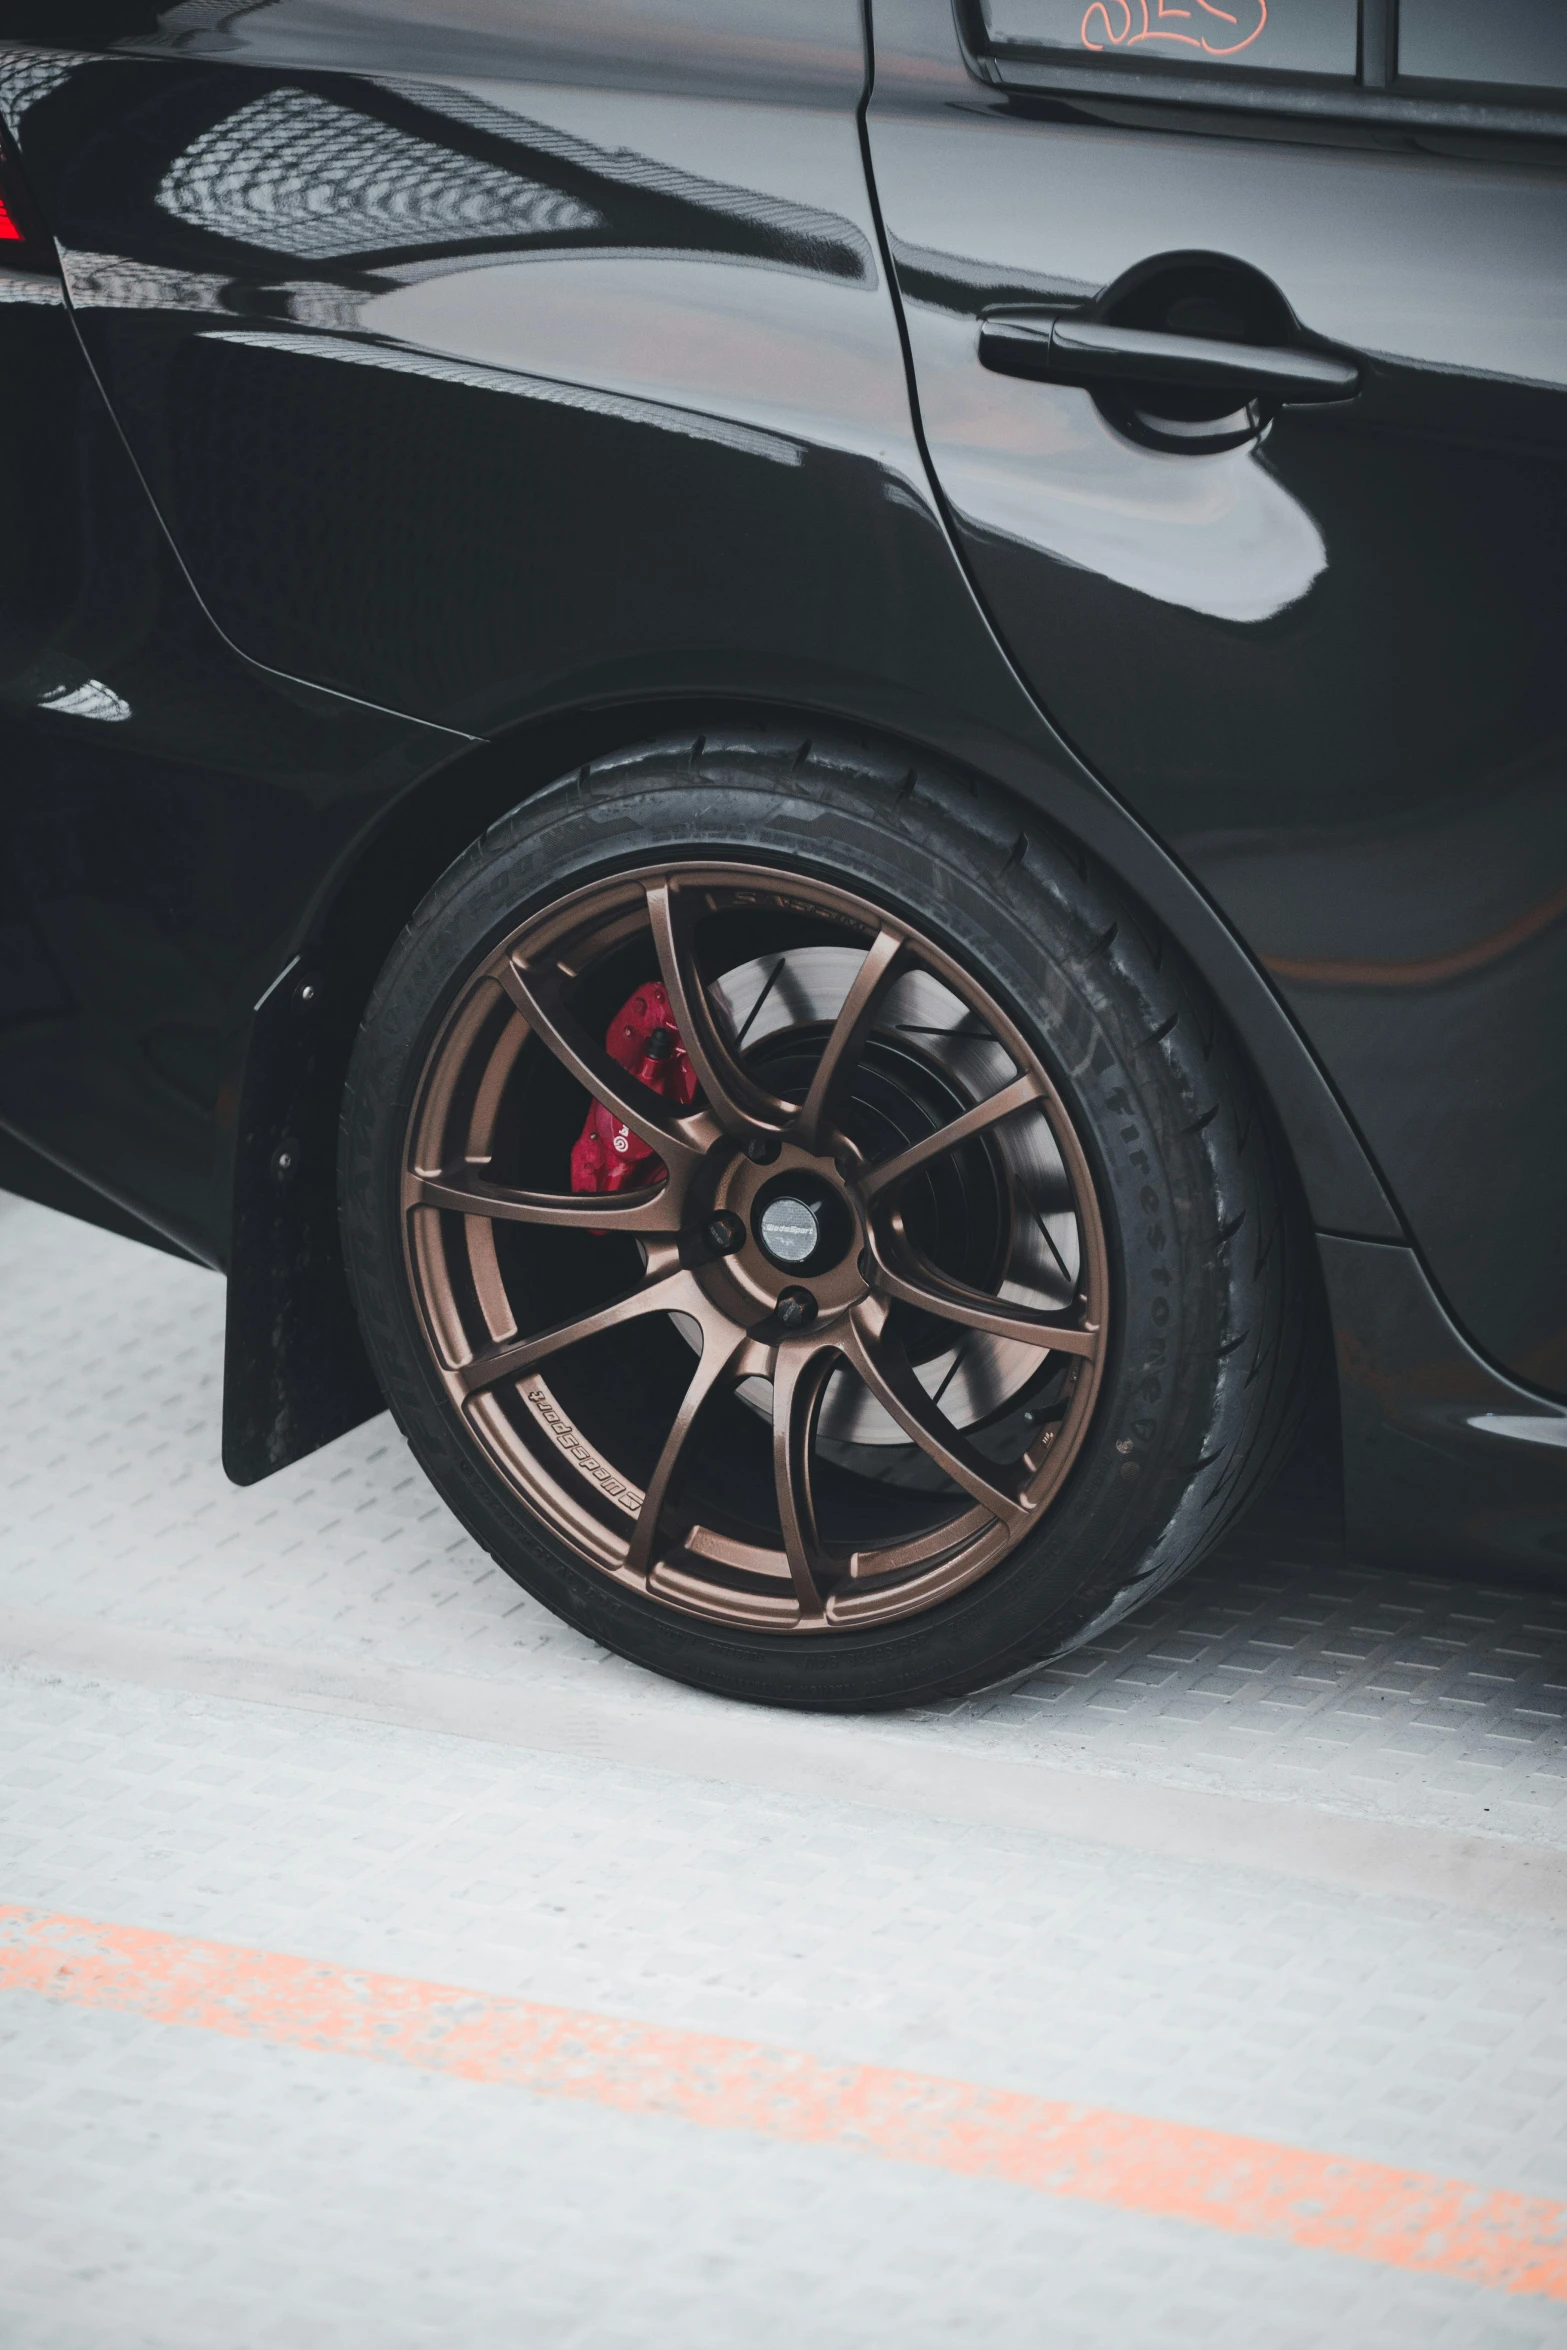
{"type": "Point", "coordinates": [295, 1373]}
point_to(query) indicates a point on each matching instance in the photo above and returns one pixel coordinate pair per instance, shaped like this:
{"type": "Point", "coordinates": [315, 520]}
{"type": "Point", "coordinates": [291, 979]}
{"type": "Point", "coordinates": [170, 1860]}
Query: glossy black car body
{"type": "Point", "coordinates": [407, 399]}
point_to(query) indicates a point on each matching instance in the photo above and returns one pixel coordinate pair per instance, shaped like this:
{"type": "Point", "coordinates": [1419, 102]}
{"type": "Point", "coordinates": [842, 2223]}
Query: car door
{"type": "Point", "coordinates": [1300, 606]}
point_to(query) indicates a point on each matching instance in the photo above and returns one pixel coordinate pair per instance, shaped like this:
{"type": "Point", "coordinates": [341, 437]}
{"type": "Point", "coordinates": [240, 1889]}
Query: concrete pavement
{"type": "Point", "coordinates": [1285, 1858]}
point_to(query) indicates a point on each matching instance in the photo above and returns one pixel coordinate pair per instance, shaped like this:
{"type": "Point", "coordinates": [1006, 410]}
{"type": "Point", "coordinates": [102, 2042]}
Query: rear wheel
{"type": "Point", "coordinates": [942, 1301]}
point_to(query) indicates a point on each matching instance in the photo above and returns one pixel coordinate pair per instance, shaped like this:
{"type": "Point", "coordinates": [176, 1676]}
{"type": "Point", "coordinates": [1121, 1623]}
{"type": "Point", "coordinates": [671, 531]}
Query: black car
{"type": "Point", "coordinates": [807, 770]}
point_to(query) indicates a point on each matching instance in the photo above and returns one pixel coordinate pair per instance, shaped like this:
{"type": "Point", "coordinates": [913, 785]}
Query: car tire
{"type": "Point", "coordinates": [1190, 1233]}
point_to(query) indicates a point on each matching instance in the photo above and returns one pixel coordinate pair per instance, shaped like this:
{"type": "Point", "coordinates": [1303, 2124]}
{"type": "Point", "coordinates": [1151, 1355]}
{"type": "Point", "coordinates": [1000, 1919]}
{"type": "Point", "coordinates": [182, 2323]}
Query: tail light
{"type": "Point", "coordinates": [21, 236]}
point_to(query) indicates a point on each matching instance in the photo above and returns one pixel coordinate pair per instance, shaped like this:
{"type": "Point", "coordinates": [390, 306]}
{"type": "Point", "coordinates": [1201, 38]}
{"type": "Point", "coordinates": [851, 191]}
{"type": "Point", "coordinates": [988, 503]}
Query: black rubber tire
{"type": "Point", "coordinates": [1214, 1284]}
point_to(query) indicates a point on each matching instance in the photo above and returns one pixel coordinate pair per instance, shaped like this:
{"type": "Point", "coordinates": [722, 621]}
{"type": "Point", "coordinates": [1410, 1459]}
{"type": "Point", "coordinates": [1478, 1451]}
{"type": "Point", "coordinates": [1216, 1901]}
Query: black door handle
{"type": "Point", "coordinates": [1053, 349]}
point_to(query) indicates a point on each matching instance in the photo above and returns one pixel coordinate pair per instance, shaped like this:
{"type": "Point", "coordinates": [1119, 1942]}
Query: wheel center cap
{"type": "Point", "coordinates": [789, 1230]}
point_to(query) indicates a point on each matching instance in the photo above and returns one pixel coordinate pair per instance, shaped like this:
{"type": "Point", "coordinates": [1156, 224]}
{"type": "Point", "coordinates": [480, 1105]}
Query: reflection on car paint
{"type": "Point", "coordinates": [106, 281]}
{"type": "Point", "coordinates": [799, 235]}
{"type": "Point", "coordinates": [298, 174]}
{"type": "Point", "coordinates": [1038, 466]}
{"type": "Point", "coordinates": [23, 286]}
{"type": "Point", "coordinates": [1423, 970]}
{"type": "Point", "coordinates": [292, 172]}
{"type": "Point", "coordinates": [1520, 1427]}
{"type": "Point", "coordinates": [91, 699]}
{"type": "Point", "coordinates": [24, 80]}
{"type": "Point", "coordinates": [469, 377]}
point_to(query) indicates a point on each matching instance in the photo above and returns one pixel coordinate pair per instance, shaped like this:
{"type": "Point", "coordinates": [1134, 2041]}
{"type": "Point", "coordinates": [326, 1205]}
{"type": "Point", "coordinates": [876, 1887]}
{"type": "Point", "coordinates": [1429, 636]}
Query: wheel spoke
{"type": "Point", "coordinates": [720, 1344]}
{"type": "Point", "coordinates": [901, 1273]}
{"type": "Point", "coordinates": [888, 1373]}
{"type": "Point", "coordinates": [854, 1002]}
{"type": "Point", "coordinates": [538, 996]}
{"type": "Point", "coordinates": [738, 1105]}
{"type": "Point", "coordinates": [800, 1376]}
{"type": "Point", "coordinates": [468, 1192]}
{"type": "Point", "coordinates": [667, 1291]}
{"type": "Point", "coordinates": [849, 1031]}
{"type": "Point", "coordinates": [1016, 1096]}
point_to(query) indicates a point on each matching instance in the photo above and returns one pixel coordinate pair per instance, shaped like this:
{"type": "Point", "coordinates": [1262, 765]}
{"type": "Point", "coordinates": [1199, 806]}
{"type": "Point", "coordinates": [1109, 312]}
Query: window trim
{"type": "Point", "coordinates": [1376, 96]}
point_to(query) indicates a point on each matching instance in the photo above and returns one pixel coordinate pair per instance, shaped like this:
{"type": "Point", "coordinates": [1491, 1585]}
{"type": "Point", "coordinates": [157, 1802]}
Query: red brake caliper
{"type": "Point", "coordinates": [643, 1038]}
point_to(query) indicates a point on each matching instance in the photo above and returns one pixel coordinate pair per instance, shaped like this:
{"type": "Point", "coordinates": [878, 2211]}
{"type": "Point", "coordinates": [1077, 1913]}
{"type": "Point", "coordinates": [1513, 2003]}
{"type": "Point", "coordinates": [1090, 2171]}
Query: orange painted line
{"type": "Point", "coordinates": [1129, 2162]}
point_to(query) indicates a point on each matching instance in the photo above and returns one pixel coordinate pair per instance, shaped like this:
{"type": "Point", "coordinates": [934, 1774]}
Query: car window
{"type": "Point", "coordinates": [1260, 36]}
{"type": "Point", "coordinates": [1516, 44]}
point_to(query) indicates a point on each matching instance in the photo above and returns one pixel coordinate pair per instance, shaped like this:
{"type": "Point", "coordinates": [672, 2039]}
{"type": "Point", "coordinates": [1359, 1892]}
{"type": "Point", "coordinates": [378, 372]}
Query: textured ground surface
{"type": "Point", "coordinates": [1285, 1856]}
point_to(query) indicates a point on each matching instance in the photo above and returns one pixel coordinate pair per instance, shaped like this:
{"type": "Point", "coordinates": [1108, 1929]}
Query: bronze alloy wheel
{"type": "Point", "coordinates": [833, 1357]}
{"type": "Point", "coordinates": [787, 1190]}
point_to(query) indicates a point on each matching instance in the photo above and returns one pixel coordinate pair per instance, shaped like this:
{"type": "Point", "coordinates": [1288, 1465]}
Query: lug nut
{"type": "Point", "coordinates": [725, 1232]}
{"type": "Point", "coordinates": [796, 1308]}
{"type": "Point", "coordinates": [760, 1149]}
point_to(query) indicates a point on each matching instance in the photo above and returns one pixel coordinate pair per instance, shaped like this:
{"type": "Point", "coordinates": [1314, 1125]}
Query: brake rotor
{"type": "Point", "coordinates": [802, 989]}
